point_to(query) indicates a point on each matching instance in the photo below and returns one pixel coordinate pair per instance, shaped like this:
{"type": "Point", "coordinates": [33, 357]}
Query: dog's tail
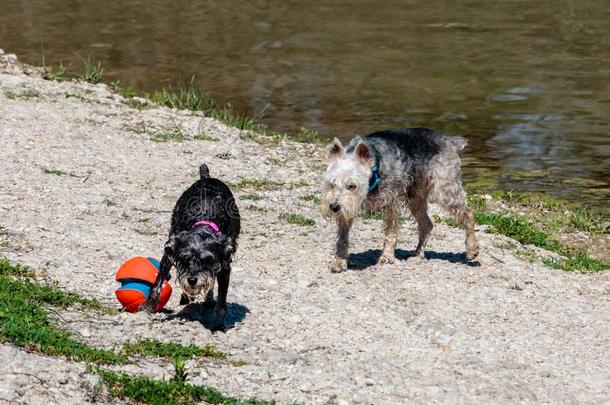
{"type": "Point", "coordinates": [457, 143]}
{"type": "Point", "coordinates": [204, 172]}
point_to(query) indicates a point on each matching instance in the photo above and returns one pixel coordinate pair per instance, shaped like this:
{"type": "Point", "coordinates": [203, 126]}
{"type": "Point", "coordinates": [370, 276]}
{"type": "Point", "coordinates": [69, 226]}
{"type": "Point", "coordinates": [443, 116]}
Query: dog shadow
{"type": "Point", "coordinates": [368, 258]}
{"type": "Point", "coordinates": [204, 314]}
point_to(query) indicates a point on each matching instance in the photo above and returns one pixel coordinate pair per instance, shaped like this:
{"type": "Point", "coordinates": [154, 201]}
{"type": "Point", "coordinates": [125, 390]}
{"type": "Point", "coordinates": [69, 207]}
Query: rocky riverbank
{"type": "Point", "coordinates": [88, 181]}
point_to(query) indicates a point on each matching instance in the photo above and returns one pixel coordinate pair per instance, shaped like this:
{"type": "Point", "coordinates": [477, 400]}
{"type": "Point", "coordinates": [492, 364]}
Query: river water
{"type": "Point", "coordinates": [528, 82]}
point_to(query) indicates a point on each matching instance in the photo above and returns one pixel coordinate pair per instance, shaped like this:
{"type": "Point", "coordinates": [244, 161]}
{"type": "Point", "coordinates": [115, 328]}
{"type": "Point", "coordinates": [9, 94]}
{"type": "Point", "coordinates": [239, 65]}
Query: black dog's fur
{"type": "Point", "coordinates": [199, 254]}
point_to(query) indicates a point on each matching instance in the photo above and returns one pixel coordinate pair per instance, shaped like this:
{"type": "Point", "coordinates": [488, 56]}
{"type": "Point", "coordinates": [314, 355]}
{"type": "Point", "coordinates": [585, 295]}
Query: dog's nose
{"type": "Point", "coordinates": [335, 207]}
{"type": "Point", "coordinates": [192, 280]}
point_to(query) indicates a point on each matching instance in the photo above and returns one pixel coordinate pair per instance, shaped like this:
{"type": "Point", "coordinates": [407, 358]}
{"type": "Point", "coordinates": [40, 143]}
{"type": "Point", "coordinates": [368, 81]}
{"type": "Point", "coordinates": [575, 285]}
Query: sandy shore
{"type": "Point", "coordinates": [84, 187]}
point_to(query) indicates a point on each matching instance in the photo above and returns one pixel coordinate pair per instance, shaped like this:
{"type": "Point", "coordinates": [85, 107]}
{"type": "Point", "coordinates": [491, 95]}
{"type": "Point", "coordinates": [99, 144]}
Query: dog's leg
{"type": "Point", "coordinates": [419, 209]}
{"type": "Point", "coordinates": [455, 204]}
{"type": "Point", "coordinates": [392, 224]}
{"type": "Point", "coordinates": [342, 247]}
{"type": "Point", "coordinates": [209, 298]}
{"type": "Point", "coordinates": [184, 299]}
{"type": "Point", "coordinates": [150, 305]}
{"type": "Point", "coordinates": [223, 287]}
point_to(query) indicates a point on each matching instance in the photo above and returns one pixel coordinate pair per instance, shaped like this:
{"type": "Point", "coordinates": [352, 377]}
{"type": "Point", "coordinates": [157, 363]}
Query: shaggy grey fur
{"type": "Point", "coordinates": [415, 165]}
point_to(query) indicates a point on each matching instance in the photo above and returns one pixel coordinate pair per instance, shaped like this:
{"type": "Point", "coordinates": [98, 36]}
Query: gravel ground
{"type": "Point", "coordinates": [83, 187]}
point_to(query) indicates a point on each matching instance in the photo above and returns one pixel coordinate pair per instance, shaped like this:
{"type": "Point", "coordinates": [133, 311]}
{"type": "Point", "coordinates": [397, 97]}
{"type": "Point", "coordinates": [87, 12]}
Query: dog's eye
{"type": "Point", "coordinates": [207, 259]}
{"type": "Point", "coordinates": [351, 187]}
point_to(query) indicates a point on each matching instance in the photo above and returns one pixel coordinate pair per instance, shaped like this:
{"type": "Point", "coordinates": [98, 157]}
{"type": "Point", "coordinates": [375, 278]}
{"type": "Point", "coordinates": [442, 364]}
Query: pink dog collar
{"type": "Point", "coordinates": [212, 225]}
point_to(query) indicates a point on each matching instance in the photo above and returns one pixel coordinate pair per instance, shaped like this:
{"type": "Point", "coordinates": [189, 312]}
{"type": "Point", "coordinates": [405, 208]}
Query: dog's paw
{"type": "Point", "coordinates": [386, 259]}
{"type": "Point", "coordinates": [472, 255]}
{"type": "Point", "coordinates": [472, 252]}
{"type": "Point", "coordinates": [220, 311]}
{"type": "Point", "coordinates": [150, 306]}
{"type": "Point", "coordinates": [338, 266]}
{"type": "Point", "coordinates": [418, 256]}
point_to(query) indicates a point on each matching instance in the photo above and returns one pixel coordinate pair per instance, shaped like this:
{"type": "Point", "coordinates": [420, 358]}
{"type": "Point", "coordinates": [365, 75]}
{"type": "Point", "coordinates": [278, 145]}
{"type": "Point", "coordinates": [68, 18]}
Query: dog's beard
{"type": "Point", "coordinates": [351, 204]}
{"type": "Point", "coordinates": [204, 284]}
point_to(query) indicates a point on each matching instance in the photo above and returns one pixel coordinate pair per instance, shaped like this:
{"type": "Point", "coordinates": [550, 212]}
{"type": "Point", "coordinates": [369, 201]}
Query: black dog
{"type": "Point", "coordinates": [202, 240]}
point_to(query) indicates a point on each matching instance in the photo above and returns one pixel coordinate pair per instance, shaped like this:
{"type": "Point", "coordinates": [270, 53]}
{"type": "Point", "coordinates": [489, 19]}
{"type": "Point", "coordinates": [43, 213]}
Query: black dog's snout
{"type": "Point", "coordinates": [335, 207]}
{"type": "Point", "coordinates": [192, 280]}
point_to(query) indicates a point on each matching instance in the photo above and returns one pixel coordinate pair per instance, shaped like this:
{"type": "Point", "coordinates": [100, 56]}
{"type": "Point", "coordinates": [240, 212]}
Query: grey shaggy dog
{"type": "Point", "coordinates": [387, 171]}
{"type": "Point", "coordinates": [201, 244]}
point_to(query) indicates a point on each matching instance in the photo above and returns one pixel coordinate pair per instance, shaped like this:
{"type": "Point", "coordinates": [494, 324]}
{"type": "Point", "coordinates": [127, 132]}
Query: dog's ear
{"type": "Point", "coordinates": [170, 245]}
{"type": "Point", "coordinates": [230, 246]}
{"type": "Point", "coordinates": [172, 242]}
{"type": "Point", "coordinates": [363, 154]}
{"type": "Point", "coordinates": [335, 150]}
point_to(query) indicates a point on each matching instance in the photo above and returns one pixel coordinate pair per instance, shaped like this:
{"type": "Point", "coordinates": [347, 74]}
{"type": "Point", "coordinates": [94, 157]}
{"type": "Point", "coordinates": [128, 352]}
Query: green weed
{"type": "Point", "coordinates": [50, 73]}
{"type": "Point", "coordinates": [377, 216]}
{"type": "Point", "coordinates": [23, 94]}
{"type": "Point", "coordinates": [452, 222]}
{"type": "Point", "coordinates": [255, 184]}
{"type": "Point", "coordinates": [517, 228]}
{"type": "Point", "coordinates": [172, 133]}
{"type": "Point", "coordinates": [254, 208]}
{"type": "Point", "coordinates": [312, 197]}
{"type": "Point", "coordinates": [586, 220]}
{"type": "Point", "coordinates": [158, 392]}
{"type": "Point", "coordinates": [205, 137]}
{"type": "Point", "coordinates": [92, 71]}
{"type": "Point", "coordinates": [57, 172]}
{"type": "Point", "coordinates": [191, 98]}
{"type": "Point", "coordinates": [24, 321]}
{"type": "Point", "coordinates": [523, 231]}
{"type": "Point", "coordinates": [296, 219]}
{"type": "Point", "coordinates": [154, 348]}
{"type": "Point", "coordinates": [251, 197]}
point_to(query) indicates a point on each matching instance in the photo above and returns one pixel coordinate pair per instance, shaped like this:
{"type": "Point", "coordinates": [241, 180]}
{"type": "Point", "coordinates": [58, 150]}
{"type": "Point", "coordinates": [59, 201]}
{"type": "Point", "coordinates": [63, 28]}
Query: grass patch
{"type": "Point", "coordinates": [300, 183]}
{"type": "Point", "coordinates": [273, 161]}
{"type": "Point", "coordinates": [311, 197]}
{"type": "Point", "coordinates": [205, 137]}
{"type": "Point", "coordinates": [531, 199]}
{"type": "Point", "coordinates": [76, 96]}
{"type": "Point", "coordinates": [57, 172]}
{"type": "Point", "coordinates": [223, 156]}
{"type": "Point", "coordinates": [25, 323]}
{"type": "Point", "coordinates": [251, 197]}
{"type": "Point", "coordinates": [23, 94]}
{"type": "Point", "coordinates": [56, 73]}
{"type": "Point", "coordinates": [296, 219]}
{"type": "Point", "coordinates": [576, 262]}
{"type": "Point", "coordinates": [517, 228]}
{"type": "Point", "coordinates": [377, 216]}
{"type": "Point", "coordinates": [189, 97]}
{"type": "Point", "coordinates": [256, 184]}
{"type": "Point", "coordinates": [523, 231]}
{"type": "Point", "coordinates": [92, 71]}
{"type": "Point", "coordinates": [15, 270]}
{"type": "Point", "coordinates": [586, 220]}
{"type": "Point", "coordinates": [452, 222]}
{"type": "Point", "coordinates": [154, 348]}
{"type": "Point", "coordinates": [174, 391]}
{"type": "Point", "coordinates": [172, 133]}
{"type": "Point", "coordinates": [254, 208]}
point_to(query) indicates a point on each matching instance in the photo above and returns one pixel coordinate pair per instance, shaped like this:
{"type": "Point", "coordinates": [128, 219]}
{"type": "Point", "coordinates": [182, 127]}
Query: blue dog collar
{"type": "Point", "coordinates": [375, 179]}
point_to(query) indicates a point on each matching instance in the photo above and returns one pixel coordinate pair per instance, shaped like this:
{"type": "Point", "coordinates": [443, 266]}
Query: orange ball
{"type": "Point", "coordinates": [137, 275]}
